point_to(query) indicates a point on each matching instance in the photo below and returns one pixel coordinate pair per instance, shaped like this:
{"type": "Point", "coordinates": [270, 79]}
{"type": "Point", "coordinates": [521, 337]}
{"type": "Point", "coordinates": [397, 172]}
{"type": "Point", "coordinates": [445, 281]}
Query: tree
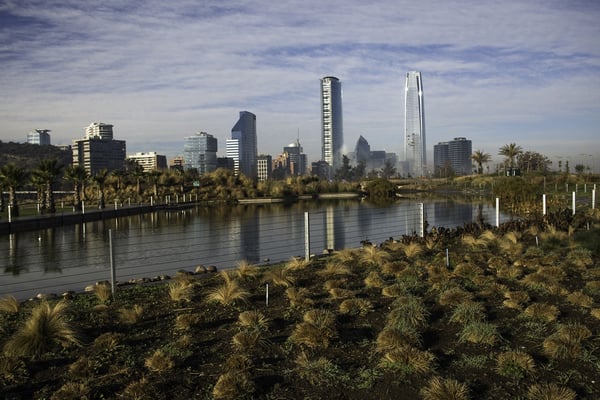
{"type": "Point", "coordinates": [579, 168]}
{"type": "Point", "coordinates": [345, 171]}
{"type": "Point", "coordinates": [100, 181]}
{"type": "Point", "coordinates": [480, 158]}
{"type": "Point", "coordinates": [388, 170]}
{"type": "Point", "coordinates": [48, 172]}
{"type": "Point", "coordinates": [77, 175]}
{"type": "Point", "coordinates": [532, 161]}
{"type": "Point", "coordinates": [510, 151]}
{"type": "Point", "coordinates": [12, 177]}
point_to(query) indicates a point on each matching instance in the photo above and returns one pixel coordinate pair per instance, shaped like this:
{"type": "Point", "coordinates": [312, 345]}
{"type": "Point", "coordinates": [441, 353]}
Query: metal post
{"type": "Point", "coordinates": [497, 211]}
{"type": "Point", "coordinates": [115, 204]}
{"type": "Point", "coordinates": [267, 295]}
{"type": "Point", "coordinates": [421, 220]}
{"type": "Point", "coordinates": [543, 204]}
{"type": "Point", "coordinates": [306, 237]}
{"type": "Point", "coordinates": [573, 203]}
{"type": "Point", "coordinates": [594, 198]}
{"type": "Point", "coordinates": [83, 207]}
{"type": "Point", "coordinates": [112, 263]}
{"type": "Point", "coordinates": [9, 213]}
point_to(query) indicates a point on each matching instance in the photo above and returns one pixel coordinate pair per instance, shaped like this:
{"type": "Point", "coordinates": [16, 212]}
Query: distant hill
{"type": "Point", "coordinates": [29, 155]}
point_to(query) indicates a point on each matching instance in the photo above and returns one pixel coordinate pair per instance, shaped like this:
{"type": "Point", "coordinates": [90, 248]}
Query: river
{"type": "Point", "coordinates": [147, 245]}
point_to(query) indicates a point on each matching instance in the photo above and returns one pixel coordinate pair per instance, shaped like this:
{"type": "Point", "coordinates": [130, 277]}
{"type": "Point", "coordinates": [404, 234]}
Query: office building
{"type": "Point", "coordinates": [296, 159]}
{"type": "Point", "coordinates": [264, 167]}
{"type": "Point", "coordinates": [39, 136]}
{"type": "Point", "coordinates": [414, 125]}
{"type": "Point", "coordinates": [244, 131]}
{"type": "Point", "coordinates": [232, 152]}
{"type": "Point", "coordinates": [149, 161]}
{"type": "Point", "coordinates": [200, 152]}
{"type": "Point", "coordinates": [332, 138]}
{"type": "Point", "coordinates": [453, 157]}
{"type": "Point", "coordinates": [98, 150]}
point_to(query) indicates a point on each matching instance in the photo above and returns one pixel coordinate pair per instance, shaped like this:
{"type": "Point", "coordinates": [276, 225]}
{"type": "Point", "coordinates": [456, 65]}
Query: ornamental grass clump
{"type": "Point", "coordinates": [159, 361]}
{"type": "Point", "coordinates": [103, 292]}
{"type": "Point", "coordinates": [565, 343]}
{"type": "Point", "coordinates": [408, 360]}
{"type": "Point", "coordinates": [550, 391]}
{"type": "Point", "coordinates": [9, 305]}
{"type": "Point", "coordinates": [318, 371]}
{"type": "Point", "coordinates": [187, 321]}
{"type": "Point", "coordinates": [299, 297]}
{"type": "Point", "coordinates": [180, 290]}
{"type": "Point", "coordinates": [228, 293]}
{"type": "Point", "coordinates": [408, 311]}
{"type": "Point", "coordinates": [374, 256]}
{"type": "Point", "coordinates": [279, 276]}
{"type": "Point", "coordinates": [395, 337]}
{"type": "Point", "coordinates": [479, 333]}
{"type": "Point", "coordinates": [580, 299]}
{"type": "Point", "coordinates": [445, 389]}
{"type": "Point", "coordinates": [515, 364]}
{"type": "Point", "coordinates": [454, 296]}
{"type": "Point", "coordinates": [297, 264]}
{"type": "Point", "coordinates": [253, 321]}
{"type": "Point", "coordinates": [47, 327]}
{"type": "Point", "coordinates": [515, 300]}
{"type": "Point", "coordinates": [233, 385]}
{"type": "Point", "coordinates": [130, 316]}
{"type": "Point", "coordinates": [334, 269]}
{"type": "Point", "coordinates": [246, 270]}
{"type": "Point", "coordinates": [248, 340]}
{"type": "Point", "coordinates": [340, 293]}
{"type": "Point", "coordinates": [374, 280]}
{"type": "Point", "coordinates": [542, 312]}
{"type": "Point", "coordinates": [72, 390]}
{"type": "Point", "coordinates": [470, 311]}
{"type": "Point", "coordinates": [317, 329]}
{"type": "Point", "coordinates": [360, 307]}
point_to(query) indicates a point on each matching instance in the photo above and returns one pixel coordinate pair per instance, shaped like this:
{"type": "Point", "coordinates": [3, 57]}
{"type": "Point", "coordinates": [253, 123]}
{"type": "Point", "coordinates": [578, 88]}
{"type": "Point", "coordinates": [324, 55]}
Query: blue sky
{"type": "Point", "coordinates": [495, 72]}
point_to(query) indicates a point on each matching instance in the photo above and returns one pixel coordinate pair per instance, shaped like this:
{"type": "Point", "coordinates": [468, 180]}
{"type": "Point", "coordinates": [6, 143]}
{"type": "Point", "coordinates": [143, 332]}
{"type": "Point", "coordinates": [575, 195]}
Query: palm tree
{"type": "Point", "coordinates": [510, 151]}
{"type": "Point", "coordinates": [12, 177]}
{"type": "Point", "coordinates": [100, 180]}
{"type": "Point", "coordinates": [480, 158]}
{"type": "Point", "coordinates": [77, 175]}
{"type": "Point", "coordinates": [154, 177]}
{"type": "Point", "coordinates": [48, 171]}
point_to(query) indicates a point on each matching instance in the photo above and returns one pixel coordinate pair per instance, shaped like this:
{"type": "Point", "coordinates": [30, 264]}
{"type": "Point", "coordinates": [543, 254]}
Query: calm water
{"type": "Point", "coordinates": [71, 257]}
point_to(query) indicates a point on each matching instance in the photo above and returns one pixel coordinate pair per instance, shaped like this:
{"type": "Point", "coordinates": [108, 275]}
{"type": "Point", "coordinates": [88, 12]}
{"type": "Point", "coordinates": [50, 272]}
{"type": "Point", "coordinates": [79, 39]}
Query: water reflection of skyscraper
{"type": "Point", "coordinates": [335, 237]}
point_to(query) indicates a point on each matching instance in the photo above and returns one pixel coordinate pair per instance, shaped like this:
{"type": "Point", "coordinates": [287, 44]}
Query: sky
{"type": "Point", "coordinates": [495, 72]}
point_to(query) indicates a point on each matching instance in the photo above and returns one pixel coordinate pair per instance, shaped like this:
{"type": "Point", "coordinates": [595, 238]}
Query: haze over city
{"type": "Point", "coordinates": [494, 72]}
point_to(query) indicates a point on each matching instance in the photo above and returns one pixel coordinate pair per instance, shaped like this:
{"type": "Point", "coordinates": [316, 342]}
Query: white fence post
{"type": "Point", "coordinates": [9, 213]}
{"type": "Point", "coordinates": [421, 220]}
{"type": "Point", "coordinates": [543, 204]}
{"type": "Point", "coordinates": [306, 237]}
{"type": "Point", "coordinates": [573, 203]}
{"type": "Point", "coordinates": [594, 198]}
{"type": "Point", "coordinates": [112, 263]}
{"type": "Point", "coordinates": [497, 211]}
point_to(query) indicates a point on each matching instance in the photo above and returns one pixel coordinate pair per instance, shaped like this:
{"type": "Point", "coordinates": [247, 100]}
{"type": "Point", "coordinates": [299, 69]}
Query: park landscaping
{"type": "Point", "coordinates": [475, 312]}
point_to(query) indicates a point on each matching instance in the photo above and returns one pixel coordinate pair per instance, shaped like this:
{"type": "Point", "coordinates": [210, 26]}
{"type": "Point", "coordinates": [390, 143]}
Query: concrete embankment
{"type": "Point", "coordinates": [49, 221]}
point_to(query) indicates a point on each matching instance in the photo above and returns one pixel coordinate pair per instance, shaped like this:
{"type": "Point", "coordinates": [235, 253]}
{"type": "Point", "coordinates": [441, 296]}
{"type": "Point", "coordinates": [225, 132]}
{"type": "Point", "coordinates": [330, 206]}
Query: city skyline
{"type": "Point", "coordinates": [523, 72]}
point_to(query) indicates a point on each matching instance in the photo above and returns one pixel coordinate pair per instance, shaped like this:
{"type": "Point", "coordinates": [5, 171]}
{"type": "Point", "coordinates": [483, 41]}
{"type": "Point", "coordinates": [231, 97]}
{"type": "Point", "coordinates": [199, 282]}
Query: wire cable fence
{"type": "Point", "coordinates": [154, 245]}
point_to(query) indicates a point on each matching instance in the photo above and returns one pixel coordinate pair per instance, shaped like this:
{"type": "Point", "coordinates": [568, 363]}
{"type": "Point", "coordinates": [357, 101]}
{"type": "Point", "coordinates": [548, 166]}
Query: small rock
{"type": "Point", "coordinates": [68, 295]}
{"type": "Point", "coordinates": [200, 269]}
{"type": "Point", "coordinates": [211, 268]}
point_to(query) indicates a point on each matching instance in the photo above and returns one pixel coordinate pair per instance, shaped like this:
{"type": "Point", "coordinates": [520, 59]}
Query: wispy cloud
{"type": "Point", "coordinates": [159, 71]}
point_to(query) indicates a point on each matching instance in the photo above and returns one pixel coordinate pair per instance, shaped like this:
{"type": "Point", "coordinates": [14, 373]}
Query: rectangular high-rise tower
{"type": "Point", "coordinates": [414, 125]}
{"type": "Point", "coordinates": [332, 138]}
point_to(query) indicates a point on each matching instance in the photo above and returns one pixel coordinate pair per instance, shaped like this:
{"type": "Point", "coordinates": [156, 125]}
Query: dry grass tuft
{"type": "Point", "coordinates": [46, 327]}
{"type": "Point", "coordinates": [296, 264]}
{"type": "Point", "coordinates": [108, 341]}
{"type": "Point", "coordinates": [233, 385]}
{"type": "Point", "coordinates": [550, 391]}
{"type": "Point", "coordinates": [103, 292]}
{"type": "Point", "coordinates": [454, 296]}
{"type": "Point", "coordinates": [479, 332]}
{"type": "Point", "coordinates": [409, 359]}
{"type": "Point", "coordinates": [373, 255]}
{"type": "Point", "coordinates": [299, 297]}
{"type": "Point", "coordinates": [515, 364]}
{"type": "Point", "coordinates": [159, 362]}
{"type": "Point", "coordinates": [246, 270]}
{"type": "Point", "coordinates": [346, 256]}
{"type": "Point", "coordinates": [317, 330]}
{"type": "Point", "coordinates": [445, 389]}
{"type": "Point", "coordinates": [595, 312]}
{"type": "Point", "coordinates": [468, 312]}
{"type": "Point", "coordinates": [9, 305]}
{"type": "Point", "coordinates": [246, 341]}
{"type": "Point", "coordinates": [181, 290]}
{"type": "Point", "coordinates": [317, 371]}
{"type": "Point", "coordinates": [408, 311]}
{"type": "Point", "coordinates": [185, 322]}
{"type": "Point", "coordinates": [374, 280]}
{"type": "Point", "coordinates": [467, 271]}
{"type": "Point", "coordinates": [390, 339]}
{"type": "Point", "coordinates": [139, 390]}
{"type": "Point", "coordinates": [12, 370]}
{"type": "Point", "coordinates": [515, 300]}
{"type": "Point", "coordinates": [565, 343]}
{"type": "Point", "coordinates": [227, 293]}
{"type": "Point", "coordinates": [83, 367]}
{"type": "Point", "coordinates": [340, 293]}
{"type": "Point", "coordinates": [333, 269]}
{"type": "Point", "coordinates": [130, 316]}
{"type": "Point", "coordinates": [237, 362]}
{"type": "Point", "coordinates": [580, 299]}
{"type": "Point", "coordinates": [254, 321]}
{"type": "Point", "coordinates": [542, 312]}
{"type": "Point", "coordinates": [72, 391]}
{"type": "Point", "coordinates": [394, 290]}
{"type": "Point", "coordinates": [359, 307]}
{"type": "Point", "coordinates": [279, 276]}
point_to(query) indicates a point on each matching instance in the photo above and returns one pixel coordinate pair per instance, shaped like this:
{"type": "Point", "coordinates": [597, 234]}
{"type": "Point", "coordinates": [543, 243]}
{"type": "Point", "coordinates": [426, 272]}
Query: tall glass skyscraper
{"type": "Point", "coordinates": [414, 125]}
{"type": "Point", "coordinates": [200, 152]}
{"type": "Point", "coordinates": [331, 122]}
{"type": "Point", "coordinates": [244, 131]}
